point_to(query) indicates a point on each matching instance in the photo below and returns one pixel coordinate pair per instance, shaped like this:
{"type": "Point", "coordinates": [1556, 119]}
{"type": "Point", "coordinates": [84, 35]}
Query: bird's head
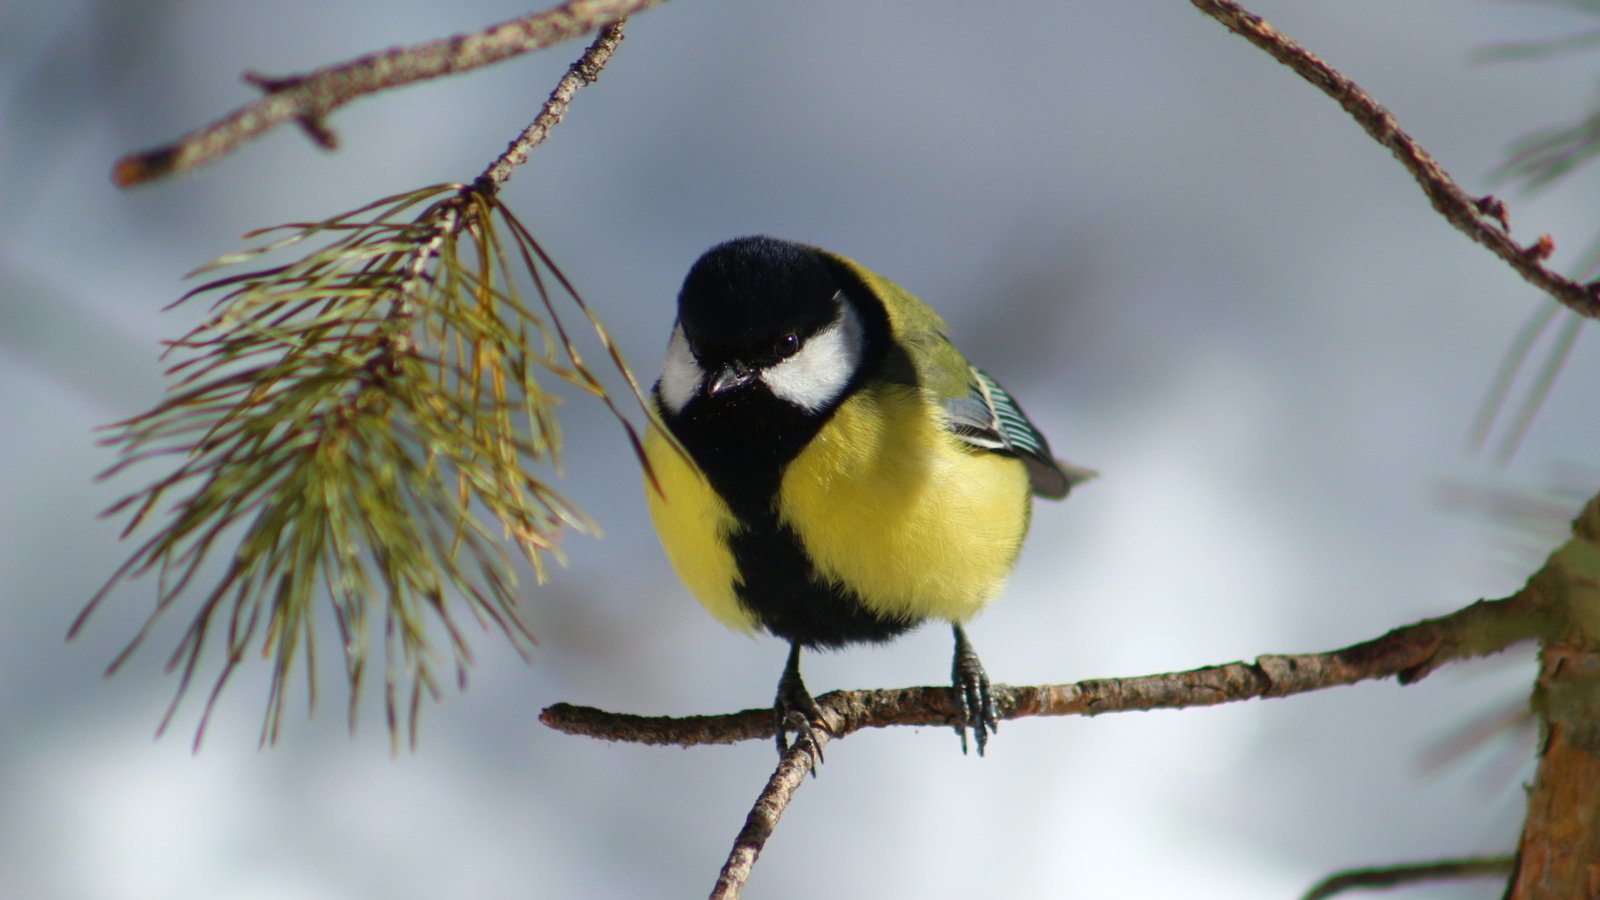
{"type": "Point", "coordinates": [760, 316]}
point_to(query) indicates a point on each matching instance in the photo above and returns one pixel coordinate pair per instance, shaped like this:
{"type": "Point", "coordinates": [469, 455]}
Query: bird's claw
{"type": "Point", "coordinates": [795, 710]}
{"type": "Point", "coordinates": [971, 686]}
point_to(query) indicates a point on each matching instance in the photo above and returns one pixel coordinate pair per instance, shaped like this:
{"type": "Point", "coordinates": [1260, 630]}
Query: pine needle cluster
{"type": "Point", "coordinates": [349, 428]}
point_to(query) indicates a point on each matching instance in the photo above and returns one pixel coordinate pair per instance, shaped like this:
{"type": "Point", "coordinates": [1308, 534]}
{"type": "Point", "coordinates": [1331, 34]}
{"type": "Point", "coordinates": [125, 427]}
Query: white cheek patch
{"type": "Point", "coordinates": [816, 376]}
{"type": "Point", "coordinates": [681, 375]}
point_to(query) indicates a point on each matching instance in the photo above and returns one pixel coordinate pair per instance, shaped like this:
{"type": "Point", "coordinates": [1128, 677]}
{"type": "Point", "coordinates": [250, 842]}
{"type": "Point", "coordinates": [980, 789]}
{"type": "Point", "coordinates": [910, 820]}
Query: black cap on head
{"type": "Point", "coordinates": [742, 295]}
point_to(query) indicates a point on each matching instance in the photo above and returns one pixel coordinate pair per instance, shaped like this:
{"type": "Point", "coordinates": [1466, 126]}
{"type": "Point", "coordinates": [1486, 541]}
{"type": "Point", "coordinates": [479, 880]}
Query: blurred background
{"type": "Point", "coordinates": [1196, 273]}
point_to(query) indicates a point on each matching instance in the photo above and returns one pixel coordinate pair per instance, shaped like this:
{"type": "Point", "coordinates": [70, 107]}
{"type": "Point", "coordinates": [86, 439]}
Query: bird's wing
{"type": "Point", "coordinates": [978, 411]}
{"type": "Point", "coordinates": [989, 418]}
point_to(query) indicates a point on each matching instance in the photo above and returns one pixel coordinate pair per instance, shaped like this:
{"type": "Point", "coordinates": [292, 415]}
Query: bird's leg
{"type": "Point", "coordinates": [795, 710]}
{"type": "Point", "coordinates": [972, 694]}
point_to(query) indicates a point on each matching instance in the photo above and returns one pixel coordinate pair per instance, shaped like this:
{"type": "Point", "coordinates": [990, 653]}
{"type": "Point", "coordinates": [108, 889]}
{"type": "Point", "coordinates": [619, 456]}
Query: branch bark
{"type": "Point", "coordinates": [764, 815]}
{"type": "Point", "coordinates": [1468, 214]}
{"type": "Point", "coordinates": [308, 99]}
{"type": "Point", "coordinates": [1560, 843]}
{"type": "Point", "coordinates": [1558, 855]}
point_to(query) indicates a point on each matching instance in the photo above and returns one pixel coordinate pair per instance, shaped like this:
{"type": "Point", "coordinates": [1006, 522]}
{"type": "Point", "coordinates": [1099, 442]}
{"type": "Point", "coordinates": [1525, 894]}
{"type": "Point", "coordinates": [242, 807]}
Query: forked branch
{"type": "Point", "coordinates": [309, 98]}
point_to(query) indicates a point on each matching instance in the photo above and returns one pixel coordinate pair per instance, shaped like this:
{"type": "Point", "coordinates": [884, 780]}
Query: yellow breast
{"type": "Point", "coordinates": [693, 524]}
{"type": "Point", "coordinates": [887, 502]}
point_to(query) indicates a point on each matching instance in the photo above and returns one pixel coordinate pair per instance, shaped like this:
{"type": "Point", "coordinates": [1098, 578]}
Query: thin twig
{"type": "Point", "coordinates": [1471, 215]}
{"type": "Point", "coordinates": [309, 98]}
{"type": "Point", "coordinates": [792, 769]}
{"type": "Point", "coordinates": [1408, 653]}
{"type": "Point", "coordinates": [584, 71]}
{"type": "Point", "coordinates": [1410, 874]}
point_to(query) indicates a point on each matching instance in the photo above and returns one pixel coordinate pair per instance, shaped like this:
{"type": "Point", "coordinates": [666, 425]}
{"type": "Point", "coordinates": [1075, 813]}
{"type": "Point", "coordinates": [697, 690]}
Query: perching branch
{"type": "Point", "coordinates": [308, 99]}
{"type": "Point", "coordinates": [1408, 653]}
{"type": "Point", "coordinates": [1470, 215]}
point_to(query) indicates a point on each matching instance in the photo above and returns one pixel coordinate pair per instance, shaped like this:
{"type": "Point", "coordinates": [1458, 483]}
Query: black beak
{"type": "Point", "coordinates": [730, 377]}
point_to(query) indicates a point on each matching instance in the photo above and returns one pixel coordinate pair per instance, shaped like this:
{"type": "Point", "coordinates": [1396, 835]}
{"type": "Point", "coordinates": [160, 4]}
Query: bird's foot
{"type": "Point", "coordinates": [795, 710]}
{"type": "Point", "coordinates": [971, 685]}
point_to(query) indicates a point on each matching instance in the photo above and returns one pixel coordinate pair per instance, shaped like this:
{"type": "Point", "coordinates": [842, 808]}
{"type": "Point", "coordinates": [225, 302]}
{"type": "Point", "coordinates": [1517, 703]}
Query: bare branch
{"type": "Point", "coordinates": [1409, 653]}
{"type": "Point", "coordinates": [308, 99]}
{"type": "Point", "coordinates": [1470, 215]}
{"type": "Point", "coordinates": [1410, 874]}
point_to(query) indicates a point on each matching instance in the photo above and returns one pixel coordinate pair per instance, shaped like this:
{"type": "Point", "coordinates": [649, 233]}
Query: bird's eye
{"type": "Point", "coordinates": [788, 344]}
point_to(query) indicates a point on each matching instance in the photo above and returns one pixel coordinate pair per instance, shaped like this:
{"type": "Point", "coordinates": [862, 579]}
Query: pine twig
{"type": "Point", "coordinates": [1484, 219]}
{"type": "Point", "coordinates": [308, 99]}
{"type": "Point", "coordinates": [584, 71]}
{"type": "Point", "coordinates": [1410, 874]}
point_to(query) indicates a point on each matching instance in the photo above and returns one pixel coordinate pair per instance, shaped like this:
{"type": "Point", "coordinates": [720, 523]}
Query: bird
{"type": "Point", "coordinates": [827, 467]}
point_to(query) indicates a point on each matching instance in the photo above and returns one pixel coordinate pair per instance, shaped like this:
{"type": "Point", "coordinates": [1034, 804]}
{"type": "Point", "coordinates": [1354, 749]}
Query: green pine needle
{"type": "Point", "coordinates": [346, 426]}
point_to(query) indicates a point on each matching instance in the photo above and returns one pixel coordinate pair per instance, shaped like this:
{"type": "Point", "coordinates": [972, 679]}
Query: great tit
{"type": "Point", "coordinates": [841, 473]}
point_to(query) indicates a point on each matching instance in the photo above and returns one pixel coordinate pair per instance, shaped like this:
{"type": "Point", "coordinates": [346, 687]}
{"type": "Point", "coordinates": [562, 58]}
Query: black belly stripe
{"type": "Point", "coordinates": [791, 601]}
{"type": "Point", "coordinates": [743, 444]}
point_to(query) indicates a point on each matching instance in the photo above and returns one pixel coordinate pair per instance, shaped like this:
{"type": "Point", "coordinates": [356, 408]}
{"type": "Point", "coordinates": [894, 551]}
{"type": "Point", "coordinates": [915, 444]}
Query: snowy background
{"type": "Point", "coordinates": [1197, 274]}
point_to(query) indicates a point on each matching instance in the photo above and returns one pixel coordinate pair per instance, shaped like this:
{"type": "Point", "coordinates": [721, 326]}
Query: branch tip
{"type": "Point", "coordinates": [137, 168]}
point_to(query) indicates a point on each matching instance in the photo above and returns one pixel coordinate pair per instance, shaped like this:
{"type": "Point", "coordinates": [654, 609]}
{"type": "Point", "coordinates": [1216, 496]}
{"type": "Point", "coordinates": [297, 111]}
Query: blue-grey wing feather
{"type": "Point", "coordinates": [989, 418]}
